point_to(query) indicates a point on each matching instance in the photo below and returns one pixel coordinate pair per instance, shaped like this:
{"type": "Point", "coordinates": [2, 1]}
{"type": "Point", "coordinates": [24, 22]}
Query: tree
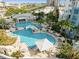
{"type": "Point", "coordinates": [17, 54]}
{"type": "Point", "coordinates": [56, 13]}
{"type": "Point", "coordinates": [14, 20]}
{"type": "Point", "coordinates": [56, 28]}
{"type": "Point", "coordinates": [40, 21]}
{"type": "Point", "coordinates": [52, 18]}
{"type": "Point", "coordinates": [77, 28]}
{"type": "Point", "coordinates": [40, 15]}
{"type": "Point", "coordinates": [20, 11]}
{"type": "Point", "coordinates": [65, 24]}
{"type": "Point", "coordinates": [34, 13]}
{"type": "Point", "coordinates": [76, 37]}
{"type": "Point", "coordinates": [10, 11]}
{"type": "Point", "coordinates": [2, 23]}
{"type": "Point", "coordinates": [67, 52]}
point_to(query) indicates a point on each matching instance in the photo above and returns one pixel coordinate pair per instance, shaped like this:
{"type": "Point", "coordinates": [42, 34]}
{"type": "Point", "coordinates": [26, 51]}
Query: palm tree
{"type": "Point", "coordinates": [14, 20]}
{"type": "Point", "coordinates": [49, 53]}
{"type": "Point", "coordinates": [40, 21]}
{"type": "Point", "coordinates": [50, 19]}
{"type": "Point", "coordinates": [56, 13]}
{"type": "Point", "coordinates": [17, 54]}
{"type": "Point", "coordinates": [65, 24]}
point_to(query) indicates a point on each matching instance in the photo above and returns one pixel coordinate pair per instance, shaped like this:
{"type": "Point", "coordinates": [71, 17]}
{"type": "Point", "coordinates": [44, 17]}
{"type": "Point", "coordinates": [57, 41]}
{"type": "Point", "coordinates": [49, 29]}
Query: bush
{"type": "Point", "coordinates": [17, 54]}
{"type": "Point", "coordinates": [67, 52]}
{"type": "Point", "coordinates": [56, 28]}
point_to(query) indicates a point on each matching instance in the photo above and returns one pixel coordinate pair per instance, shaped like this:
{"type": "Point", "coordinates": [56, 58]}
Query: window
{"type": "Point", "coordinates": [70, 10]}
{"type": "Point", "coordinates": [76, 11]}
{"type": "Point", "coordinates": [74, 18]}
{"type": "Point", "coordinates": [69, 16]}
{"type": "Point", "coordinates": [73, 22]}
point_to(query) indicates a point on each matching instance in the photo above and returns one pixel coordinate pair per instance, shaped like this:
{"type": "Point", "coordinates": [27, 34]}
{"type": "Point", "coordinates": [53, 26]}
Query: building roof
{"type": "Point", "coordinates": [23, 16]}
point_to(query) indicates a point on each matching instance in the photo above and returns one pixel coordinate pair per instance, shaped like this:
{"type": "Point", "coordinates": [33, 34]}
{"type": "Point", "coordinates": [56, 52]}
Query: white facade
{"type": "Point", "coordinates": [67, 9]}
{"type": "Point", "coordinates": [75, 13]}
{"type": "Point", "coordinates": [75, 16]}
{"type": "Point", "coordinates": [25, 16]}
{"type": "Point", "coordinates": [71, 11]}
{"type": "Point", "coordinates": [45, 10]}
{"type": "Point", "coordinates": [13, 5]}
{"type": "Point", "coordinates": [52, 2]}
{"type": "Point", "coordinates": [61, 12]}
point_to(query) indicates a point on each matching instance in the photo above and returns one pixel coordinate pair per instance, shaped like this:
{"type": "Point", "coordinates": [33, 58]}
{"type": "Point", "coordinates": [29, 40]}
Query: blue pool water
{"type": "Point", "coordinates": [28, 37]}
{"type": "Point", "coordinates": [24, 24]}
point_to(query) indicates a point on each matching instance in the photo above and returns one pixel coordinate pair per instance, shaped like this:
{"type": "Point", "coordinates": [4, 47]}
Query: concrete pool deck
{"type": "Point", "coordinates": [18, 45]}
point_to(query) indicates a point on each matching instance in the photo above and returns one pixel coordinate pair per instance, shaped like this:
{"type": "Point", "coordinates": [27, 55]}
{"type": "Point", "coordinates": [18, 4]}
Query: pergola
{"type": "Point", "coordinates": [23, 17]}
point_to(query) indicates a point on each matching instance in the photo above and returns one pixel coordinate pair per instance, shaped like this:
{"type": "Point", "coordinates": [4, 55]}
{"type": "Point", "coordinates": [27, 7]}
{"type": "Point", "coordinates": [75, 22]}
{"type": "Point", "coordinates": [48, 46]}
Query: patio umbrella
{"type": "Point", "coordinates": [44, 45]}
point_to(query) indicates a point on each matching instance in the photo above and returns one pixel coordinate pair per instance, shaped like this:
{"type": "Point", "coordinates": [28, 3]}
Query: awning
{"type": "Point", "coordinates": [44, 44]}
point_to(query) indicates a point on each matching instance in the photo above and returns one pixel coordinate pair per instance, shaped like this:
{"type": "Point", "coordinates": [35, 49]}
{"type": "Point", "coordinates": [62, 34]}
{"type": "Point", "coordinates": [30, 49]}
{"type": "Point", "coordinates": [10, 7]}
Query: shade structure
{"type": "Point", "coordinates": [23, 16]}
{"type": "Point", "coordinates": [44, 44]}
{"type": "Point", "coordinates": [32, 27]}
{"type": "Point", "coordinates": [77, 43]}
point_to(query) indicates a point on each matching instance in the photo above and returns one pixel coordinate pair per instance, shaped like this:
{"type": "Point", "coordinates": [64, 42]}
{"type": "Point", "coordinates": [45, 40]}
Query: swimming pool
{"type": "Point", "coordinates": [28, 37]}
{"type": "Point", "coordinates": [24, 24]}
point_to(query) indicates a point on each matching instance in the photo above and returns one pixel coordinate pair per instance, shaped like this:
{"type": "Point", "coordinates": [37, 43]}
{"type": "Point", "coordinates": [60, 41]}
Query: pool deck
{"type": "Point", "coordinates": [39, 55]}
{"type": "Point", "coordinates": [18, 42]}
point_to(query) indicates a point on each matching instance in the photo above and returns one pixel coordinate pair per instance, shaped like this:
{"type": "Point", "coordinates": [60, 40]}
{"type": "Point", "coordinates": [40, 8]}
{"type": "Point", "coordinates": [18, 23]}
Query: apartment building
{"type": "Point", "coordinates": [71, 11]}
{"type": "Point", "coordinates": [67, 10]}
{"type": "Point", "coordinates": [53, 2]}
{"type": "Point", "coordinates": [75, 12]}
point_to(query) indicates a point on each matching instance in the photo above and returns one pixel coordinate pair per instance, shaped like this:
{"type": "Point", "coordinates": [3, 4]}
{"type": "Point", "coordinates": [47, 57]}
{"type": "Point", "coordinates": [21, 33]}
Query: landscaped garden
{"type": "Point", "coordinates": [5, 39]}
